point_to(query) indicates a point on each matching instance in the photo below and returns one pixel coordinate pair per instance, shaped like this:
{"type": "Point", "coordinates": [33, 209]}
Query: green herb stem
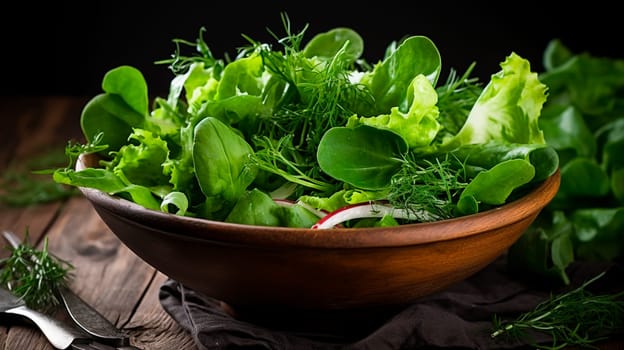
{"type": "Point", "coordinates": [576, 317]}
{"type": "Point", "coordinates": [35, 275]}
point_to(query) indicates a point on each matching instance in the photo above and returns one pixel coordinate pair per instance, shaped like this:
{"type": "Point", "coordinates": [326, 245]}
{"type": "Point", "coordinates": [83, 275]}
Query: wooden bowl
{"type": "Point", "coordinates": [333, 269]}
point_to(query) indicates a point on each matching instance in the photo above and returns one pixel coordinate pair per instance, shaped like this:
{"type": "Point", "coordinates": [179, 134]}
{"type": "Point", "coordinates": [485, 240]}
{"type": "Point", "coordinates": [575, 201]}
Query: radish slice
{"type": "Point", "coordinates": [367, 210]}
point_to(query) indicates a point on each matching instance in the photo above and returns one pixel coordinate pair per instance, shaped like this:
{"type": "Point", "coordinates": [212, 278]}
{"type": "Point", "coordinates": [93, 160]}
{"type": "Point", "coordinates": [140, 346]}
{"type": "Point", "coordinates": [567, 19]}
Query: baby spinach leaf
{"type": "Point", "coordinates": [122, 106]}
{"type": "Point", "coordinates": [110, 115]}
{"type": "Point", "coordinates": [254, 207]}
{"type": "Point", "coordinates": [493, 186]}
{"type": "Point", "coordinates": [128, 83]}
{"type": "Point", "coordinates": [221, 158]}
{"type": "Point", "coordinates": [296, 216]}
{"type": "Point", "coordinates": [363, 156]}
{"type": "Point", "coordinates": [391, 78]}
{"type": "Point", "coordinates": [480, 157]}
{"type": "Point", "coordinates": [326, 45]}
{"type": "Point", "coordinates": [106, 181]}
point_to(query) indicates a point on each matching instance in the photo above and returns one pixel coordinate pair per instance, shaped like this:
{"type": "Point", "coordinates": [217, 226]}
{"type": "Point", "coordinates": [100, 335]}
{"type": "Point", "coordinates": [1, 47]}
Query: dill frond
{"type": "Point", "coordinates": [281, 158]}
{"type": "Point", "coordinates": [319, 95]}
{"type": "Point", "coordinates": [35, 275]}
{"type": "Point", "coordinates": [424, 185]}
{"type": "Point", "coordinates": [74, 149]}
{"type": "Point", "coordinates": [179, 63]}
{"type": "Point", "coordinates": [456, 98]}
{"type": "Point", "coordinates": [573, 318]}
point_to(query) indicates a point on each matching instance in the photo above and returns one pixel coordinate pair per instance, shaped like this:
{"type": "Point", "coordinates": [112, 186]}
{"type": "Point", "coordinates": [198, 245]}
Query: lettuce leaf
{"type": "Point", "coordinates": [507, 110]}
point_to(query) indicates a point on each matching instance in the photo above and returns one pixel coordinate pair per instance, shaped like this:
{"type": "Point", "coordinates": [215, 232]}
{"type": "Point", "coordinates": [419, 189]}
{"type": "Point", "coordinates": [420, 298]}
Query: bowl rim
{"type": "Point", "coordinates": [367, 237]}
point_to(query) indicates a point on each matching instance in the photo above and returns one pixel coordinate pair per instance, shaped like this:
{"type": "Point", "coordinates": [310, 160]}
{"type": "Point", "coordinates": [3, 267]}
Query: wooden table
{"type": "Point", "coordinates": [106, 274]}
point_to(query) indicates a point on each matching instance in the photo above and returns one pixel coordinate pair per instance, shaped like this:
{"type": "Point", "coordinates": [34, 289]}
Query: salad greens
{"type": "Point", "coordinates": [282, 136]}
{"type": "Point", "coordinates": [583, 120]}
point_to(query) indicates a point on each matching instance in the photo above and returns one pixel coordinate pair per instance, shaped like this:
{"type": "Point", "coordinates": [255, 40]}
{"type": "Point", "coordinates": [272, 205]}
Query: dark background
{"type": "Point", "coordinates": [65, 49]}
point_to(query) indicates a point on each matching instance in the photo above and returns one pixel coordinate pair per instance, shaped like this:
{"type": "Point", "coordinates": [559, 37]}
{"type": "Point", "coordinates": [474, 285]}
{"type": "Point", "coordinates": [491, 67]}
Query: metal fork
{"type": "Point", "coordinates": [104, 331]}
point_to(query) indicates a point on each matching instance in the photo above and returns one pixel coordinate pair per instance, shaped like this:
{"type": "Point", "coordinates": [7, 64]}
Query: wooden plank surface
{"type": "Point", "coordinates": [106, 273]}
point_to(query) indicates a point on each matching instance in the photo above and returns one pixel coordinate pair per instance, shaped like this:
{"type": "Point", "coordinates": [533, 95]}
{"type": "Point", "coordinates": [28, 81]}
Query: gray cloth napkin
{"type": "Point", "coordinates": [460, 317]}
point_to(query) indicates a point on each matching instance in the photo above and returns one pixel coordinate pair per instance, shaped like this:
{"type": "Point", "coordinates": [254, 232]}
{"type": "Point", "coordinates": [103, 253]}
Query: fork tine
{"type": "Point", "coordinates": [11, 238]}
{"type": "Point", "coordinates": [92, 345]}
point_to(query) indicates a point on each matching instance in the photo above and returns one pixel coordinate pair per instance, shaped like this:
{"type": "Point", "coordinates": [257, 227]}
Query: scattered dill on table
{"type": "Point", "coordinates": [573, 318]}
{"type": "Point", "coordinates": [21, 185]}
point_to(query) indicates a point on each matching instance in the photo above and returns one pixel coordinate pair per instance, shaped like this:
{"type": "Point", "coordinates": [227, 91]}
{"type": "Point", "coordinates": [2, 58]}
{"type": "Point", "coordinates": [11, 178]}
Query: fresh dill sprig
{"type": "Point", "coordinates": [73, 149]}
{"type": "Point", "coordinates": [35, 275]}
{"type": "Point", "coordinates": [424, 185]}
{"type": "Point", "coordinates": [573, 318]}
{"type": "Point", "coordinates": [319, 96]}
{"type": "Point", "coordinates": [179, 63]}
{"type": "Point", "coordinates": [456, 98]}
{"type": "Point", "coordinates": [279, 157]}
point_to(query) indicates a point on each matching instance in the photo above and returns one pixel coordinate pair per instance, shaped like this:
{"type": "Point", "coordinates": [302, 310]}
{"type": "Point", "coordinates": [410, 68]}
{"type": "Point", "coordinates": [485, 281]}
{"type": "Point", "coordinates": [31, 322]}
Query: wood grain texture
{"type": "Point", "coordinates": [106, 274]}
